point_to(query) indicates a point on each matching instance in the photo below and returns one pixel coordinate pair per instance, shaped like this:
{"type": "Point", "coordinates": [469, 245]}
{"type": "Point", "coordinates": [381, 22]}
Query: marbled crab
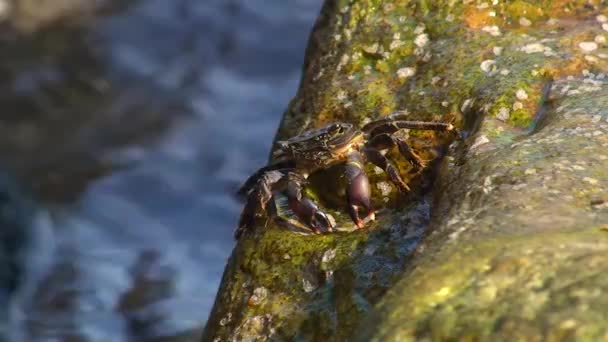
{"type": "Point", "coordinates": [317, 149]}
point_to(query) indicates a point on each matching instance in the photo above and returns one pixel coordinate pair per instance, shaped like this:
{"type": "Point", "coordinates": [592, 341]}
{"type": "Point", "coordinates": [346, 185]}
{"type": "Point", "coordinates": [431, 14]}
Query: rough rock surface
{"type": "Point", "coordinates": [515, 227]}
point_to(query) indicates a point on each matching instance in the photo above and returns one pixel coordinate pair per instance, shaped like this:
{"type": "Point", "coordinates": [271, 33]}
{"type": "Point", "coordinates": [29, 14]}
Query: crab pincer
{"type": "Point", "coordinates": [305, 208]}
{"type": "Point", "coordinates": [358, 191]}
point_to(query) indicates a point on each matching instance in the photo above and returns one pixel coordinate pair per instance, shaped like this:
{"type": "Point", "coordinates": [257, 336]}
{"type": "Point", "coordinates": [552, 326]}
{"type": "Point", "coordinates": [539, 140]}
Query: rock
{"type": "Point", "coordinates": [17, 211]}
{"type": "Point", "coordinates": [68, 114]}
{"type": "Point", "coordinates": [27, 16]}
{"type": "Point", "coordinates": [507, 253]}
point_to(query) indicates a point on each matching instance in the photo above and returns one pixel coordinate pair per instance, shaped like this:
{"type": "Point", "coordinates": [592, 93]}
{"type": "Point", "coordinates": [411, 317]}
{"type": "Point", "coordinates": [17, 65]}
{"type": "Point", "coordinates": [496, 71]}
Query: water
{"type": "Point", "coordinates": [140, 254]}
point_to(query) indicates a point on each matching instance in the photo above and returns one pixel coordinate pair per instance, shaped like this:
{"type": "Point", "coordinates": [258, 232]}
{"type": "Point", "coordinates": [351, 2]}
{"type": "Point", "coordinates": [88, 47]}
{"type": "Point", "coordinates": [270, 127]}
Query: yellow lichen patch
{"type": "Point", "coordinates": [524, 9]}
{"type": "Point", "coordinates": [375, 99]}
{"type": "Point", "coordinates": [476, 19]}
{"type": "Point", "coordinates": [571, 66]}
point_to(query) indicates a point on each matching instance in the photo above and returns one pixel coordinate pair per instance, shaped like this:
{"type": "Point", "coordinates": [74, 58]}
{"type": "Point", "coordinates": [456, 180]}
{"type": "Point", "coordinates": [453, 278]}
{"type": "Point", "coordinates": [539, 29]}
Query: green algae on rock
{"type": "Point", "coordinates": [514, 242]}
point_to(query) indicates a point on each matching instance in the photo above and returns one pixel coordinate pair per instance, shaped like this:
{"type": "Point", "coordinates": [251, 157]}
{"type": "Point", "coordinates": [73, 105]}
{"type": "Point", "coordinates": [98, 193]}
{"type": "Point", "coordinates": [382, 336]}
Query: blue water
{"type": "Point", "coordinates": [140, 255]}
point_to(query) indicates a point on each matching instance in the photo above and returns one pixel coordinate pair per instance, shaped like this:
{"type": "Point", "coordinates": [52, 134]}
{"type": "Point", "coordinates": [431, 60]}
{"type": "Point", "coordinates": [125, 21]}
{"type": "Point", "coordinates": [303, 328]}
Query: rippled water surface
{"type": "Point", "coordinates": [139, 256]}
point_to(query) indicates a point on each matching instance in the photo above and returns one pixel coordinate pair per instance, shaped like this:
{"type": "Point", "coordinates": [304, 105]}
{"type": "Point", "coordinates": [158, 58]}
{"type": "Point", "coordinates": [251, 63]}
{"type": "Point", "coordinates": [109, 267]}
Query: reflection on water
{"type": "Point", "coordinates": [138, 253]}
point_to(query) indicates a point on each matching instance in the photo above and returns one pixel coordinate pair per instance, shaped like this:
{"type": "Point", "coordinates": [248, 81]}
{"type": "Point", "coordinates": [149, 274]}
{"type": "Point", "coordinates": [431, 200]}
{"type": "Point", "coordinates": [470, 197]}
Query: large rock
{"type": "Point", "coordinates": [514, 235]}
{"type": "Point", "coordinates": [27, 16]}
{"type": "Point", "coordinates": [68, 108]}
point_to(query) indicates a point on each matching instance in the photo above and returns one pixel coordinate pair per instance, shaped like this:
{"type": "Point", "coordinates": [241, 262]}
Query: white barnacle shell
{"type": "Point", "coordinates": [488, 65]}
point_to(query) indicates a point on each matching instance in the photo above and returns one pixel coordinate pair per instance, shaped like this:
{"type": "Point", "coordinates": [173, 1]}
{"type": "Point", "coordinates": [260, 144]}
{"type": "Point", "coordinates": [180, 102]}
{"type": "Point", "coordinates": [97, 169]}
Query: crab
{"type": "Point", "coordinates": [321, 148]}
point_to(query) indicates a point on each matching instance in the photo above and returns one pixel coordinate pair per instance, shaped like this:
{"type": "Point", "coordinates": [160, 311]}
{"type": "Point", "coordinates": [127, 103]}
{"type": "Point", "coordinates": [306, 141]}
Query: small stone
{"type": "Point", "coordinates": [258, 296]}
{"type": "Point", "coordinates": [406, 72]}
{"type": "Point", "coordinates": [492, 30]}
{"type": "Point", "coordinates": [521, 94]}
{"type": "Point", "coordinates": [488, 65]}
{"type": "Point", "coordinates": [481, 140]}
{"type": "Point", "coordinates": [605, 27]}
{"type": "Point", "coordinates": [421, 40]}
{"type": "Point", "coordinates": [590, 180]}
{"type": "Point", "coordinates": [466, 105]}
{"type": "Point", "coordinates": [601, 18]}
{"type": "Point", "coordinates": [505, 72]}
{"type": "Point", "coordinates": [497, 50]}
{"type": "Point", "coordinates": [503, 114]}
{"type": "Point", "coordinates": [449, 18]}
{"type": "Point", "coordinates": [600, 39]}
{"type": "Point", "coordinates": [384, 187]}
{"type": "Point", "coordinates": [524, 21]}
{"type": "Point", "coordinates": [395, 44]}
{"type": "Point", "coordinates": [517, 105]}
{"type": "Point", "coordinates": [533, 48]}
{"type": "Point", "coordinates": [530, 172]}
{"type": "Point", "coordinates": [591, 59]}
{"type": "Point", "coordinates": [372, 49]}
{"type": "Point", "coordinates": [587, 46]}
{"type": "Point", "coordinates": [308, 286]}
{"type": "Point", "coordinates": [445, 103]}
{"type": "Point", "coordinates": [329, 255]}
{"type": "Point", "coordinates": [487, 181]}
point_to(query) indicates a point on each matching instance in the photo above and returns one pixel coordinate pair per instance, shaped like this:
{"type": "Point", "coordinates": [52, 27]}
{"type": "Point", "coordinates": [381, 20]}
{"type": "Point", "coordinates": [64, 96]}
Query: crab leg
{"type": "Point", "coordinates": [385, 141]}
{"type": "Point", "coordinates": [393, 126]}
{"type": "Point", "coordinates": [253, 179]}
{"type": "Point", "coordinates": [258, 198]}
{"type": "Point", "coordinates": [375, 157]}
{"type": "Point", "coordinates": [399, 115]}
{"type": "Point", "coordinates": [358, 190]}
{"type": "Point", "coordinates": [304, 207]}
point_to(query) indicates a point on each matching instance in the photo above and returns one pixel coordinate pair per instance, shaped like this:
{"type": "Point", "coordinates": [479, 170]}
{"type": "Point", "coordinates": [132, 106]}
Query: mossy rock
{"type": "Point", "coordinates": [513, 229]}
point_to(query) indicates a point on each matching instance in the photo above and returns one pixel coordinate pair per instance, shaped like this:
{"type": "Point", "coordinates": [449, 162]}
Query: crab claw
{"type": "Point", "coordinates": [310, 214]}
{"type": "Point", "coordinates": [323, 221]}
{"type": "Point", "coordinates": [358, 190]}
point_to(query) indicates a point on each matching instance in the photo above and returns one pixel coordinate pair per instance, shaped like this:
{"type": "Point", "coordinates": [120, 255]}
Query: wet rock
{"type": "Point", "coordinates": [17, 211]}
{"type": "Point", "coordinates": [514, 247]}
{"type": "Point", "coordinates": [69, 117]}
{"type": "Point", "coordinates": [27, 16]}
